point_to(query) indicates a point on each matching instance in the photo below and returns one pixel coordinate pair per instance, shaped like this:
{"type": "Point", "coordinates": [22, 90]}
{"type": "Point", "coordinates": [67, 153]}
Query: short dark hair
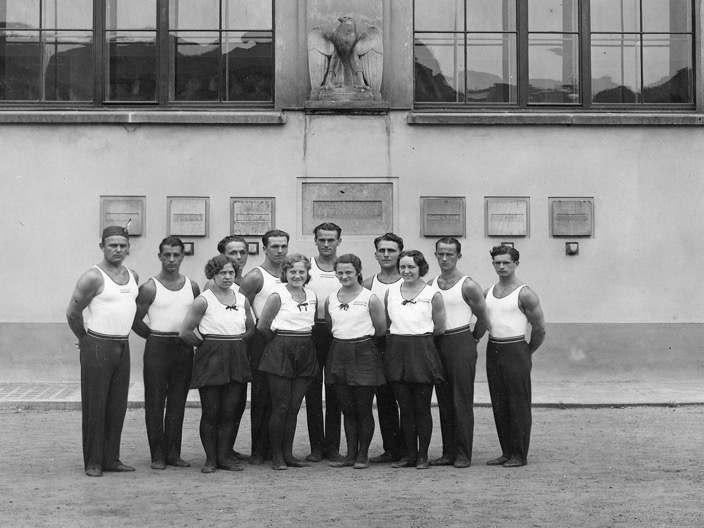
{"type": "Point", "coordinates": [505, 250]}
{"type": "Point", "coordinates": [449, 240]}
{"type": "Point", "coordinates": [172, 241]}
{"type": "Point", "coordinates": [418, 258]}
{"type": "Point", "coordinates": [274, 233]}
{"type": "Point", "coordinates": [389, 237]}
{"type": "Point", "coordinates": [215, 264]}
{"type": "Point", "coordinates": [349, 258]}
{"type": "Point", "coordinates": [289, 261]}
{"type": "Point", "coordinates": [328, 226]}
{"type": "Point", "coordinates": [222, 245]}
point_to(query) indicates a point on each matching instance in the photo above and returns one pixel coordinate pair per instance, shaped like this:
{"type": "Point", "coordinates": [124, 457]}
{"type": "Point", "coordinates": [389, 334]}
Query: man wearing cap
{"type": "Point", "coordinates": [108, 291]}
{"type": "Point", "coordinates": [168, 360]}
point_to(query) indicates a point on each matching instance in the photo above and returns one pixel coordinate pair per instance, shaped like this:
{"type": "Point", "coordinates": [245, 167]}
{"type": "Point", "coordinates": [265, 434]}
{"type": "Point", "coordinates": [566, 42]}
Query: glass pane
{"type": "Point", "coordinates": [439, 15]}
{"type": "Point", "coordinates": [667, 16]}
{"type": "Point", "coordinates": [19, 14]}
{"type": "Point", "coordinates": [667, 69]}
{"type": "Point", "coordinates": [439, 68]}
{"type": "Point", "coordinates": [68, 14]}
{"type": "Point", "coordinates": [130, 14]}
{"type": "Point", "coordinates": [247, 14]}
{"type": "Point", "coordinates": [19, 66]}
{"type": "Point", "coordinates": [553, 69]}
{"type": "Point", "coordinates": [552, 15]}
{"type": "Point", "coordinates": [69, 66]}
{"type": "Point", "coordinates": [491, 69]}
{"type": "Point", "coordinates": [131, 66]}
{"type": "Point", "coordinates": [616, 69]}
{"type": "Point", "coordinates": [491, 15]}
{"type": "Point", "coordinates": [196, 66]}
{"type": "Point", "coordinates": [248, 66]}
{"type": "Point", "coordinates": [615, 16]}
{"type": "Point", "coordinates": [194, 14]}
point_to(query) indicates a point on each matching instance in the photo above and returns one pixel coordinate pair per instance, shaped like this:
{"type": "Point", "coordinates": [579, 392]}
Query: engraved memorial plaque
{"type": "Point", "coordinates": [121, 210]}
{"type": "Point", "coordinates": [188, 216]}
{"type": "Point", "coordinates": [251, 216]}
{"type": "Point", "coordinates": [507, 216]}
{"type": "Point", "coordinates": [443, 216]}
{"type": "Point", "coordinates": [572, 217]}
{"type": "Point", "coordinates": [359, 208]}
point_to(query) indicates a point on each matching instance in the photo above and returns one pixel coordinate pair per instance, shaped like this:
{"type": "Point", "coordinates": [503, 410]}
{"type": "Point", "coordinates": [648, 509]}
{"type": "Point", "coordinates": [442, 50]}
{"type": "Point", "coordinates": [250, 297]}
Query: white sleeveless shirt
{"type": "Point", "coordinates": [412, 316]}
{"type": "Point", "coordinates": [169, 307]}
{"type": "Point", "coordinates": [351, 320]}
{"type": "Point", "coordinates": [294, 316]}
{"type": "Point", "coordinates": [380, 288]}
{"type": "Point", "coordinates": [457, 311]}
{"type": "Point", "coordinates": [323, 283]}
{"type": "Point", "coordinates": [111, 312]}
{"type": "Point", "coordinates": [505, 317]}
{"type": "Point", "coordinates": [221, 319]}
{"type": "Point", "coordinates": [269, 285]}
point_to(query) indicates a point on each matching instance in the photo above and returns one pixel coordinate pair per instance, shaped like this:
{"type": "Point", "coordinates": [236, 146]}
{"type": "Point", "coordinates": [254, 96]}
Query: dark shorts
{"type": "Point", "coordinates": [355, 362]}
{"type": "Point", "coordinates": [290, 357]}
{"type": "Point", "coordinates": [412, 359]}
{"type": "Point", "coordinates": [220, 361]}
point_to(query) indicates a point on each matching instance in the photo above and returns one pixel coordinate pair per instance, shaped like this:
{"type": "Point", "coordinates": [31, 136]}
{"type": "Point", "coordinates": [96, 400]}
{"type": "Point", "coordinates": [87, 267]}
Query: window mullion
{"type": "Point", "coordinates": [100, 62]}
{"type": "Point", "coordinates": [162, 49]}
{"type": "Point", "coordinates": [522, 45]}
{"type": "Point", "coordinates": [585, 61]}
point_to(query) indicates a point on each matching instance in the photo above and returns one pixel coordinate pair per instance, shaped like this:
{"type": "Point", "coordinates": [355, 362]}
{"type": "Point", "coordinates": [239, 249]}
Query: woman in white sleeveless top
{"type": "Point", "coordinates": [289, 360]}
{"type": "Point", "coordinates": [354, 315]}
{"type": "Point", "coordinates": [221, 369]}
{"type": "Point", "coordinates": [415, 312]}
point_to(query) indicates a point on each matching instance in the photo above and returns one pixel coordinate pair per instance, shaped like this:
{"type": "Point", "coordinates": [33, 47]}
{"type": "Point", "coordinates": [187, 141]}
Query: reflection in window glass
{"type": "Point", "coordinates": [67, 14]}
{"type": "Point", "coordinates": [248, 66]}
{"type": "Point", "coordinates": [439, 15]}
{"type": "Point", "coordinates": [667, 16]}
{"type": "Point", "coordinates": [553, 15]}
{"type": "Point", "coordinates": [196, 67]}
{"type": "Point", "coordinates": [491, 15]}
{"type": "Point", "coordinates": [130, 14]}
{"type": "Point", "coordinates": [247, 14]}
{"type": "Point", "coordinates": [19, 66]}
{"type": "Point", "coordinates": [131, 72]}
{"type": "Point", "coordinates": [667, 69]}
{"type": "Point", "coordinates": [19, 14]}
{"type": "Point", "coordinates": [438, 62]}
{"type": "Point", "coordinates": [611, 16]}
{"type": "Point", "coordinates": [69, 66]}
{"type": "Point", "coordinates": [492, 69]}
{"type": "Point", "coordinates": [616, 69]}
{"type": "Point", "coordinates": [194, 14]}
{"type": "Point", "coordinates": [553, 69]}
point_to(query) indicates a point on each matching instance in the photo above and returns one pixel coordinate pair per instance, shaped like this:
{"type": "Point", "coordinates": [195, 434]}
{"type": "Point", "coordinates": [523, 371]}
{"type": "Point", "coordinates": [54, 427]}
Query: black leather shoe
{"type": "Point", "coordinates": [256, 460]}
{"type": "Point", "coordinates": [159, 464]}
{"type": "Point", "coordinates": [383, 458]}
{"type": "Point", "coordinates": [177, 462]}
{"type": "Point", "coordinates": [515, 462]}
{"type": "Point", "coordinates": [461, 463]}
{"type": "Point", "coordinates": [238, 455]}
{"type": "Point", "coordinates": [422, 463]}
{"type": "Point", "coordinates": [314, 457]}
{"type": "Point", "coordinates": [119, 467]}
{"type": "Point", "coordinates": [404, 463]}
{"type": "Point", "coordinates": [500, 461]}
{"type": "Point", "coordinates": [208, 468]}
{"type": "Point", "coordinates": [442, 461]}
{"type": "Point", "coordinates": [336, 457]}
{"type": "Point", "coordinates": [94, 472]}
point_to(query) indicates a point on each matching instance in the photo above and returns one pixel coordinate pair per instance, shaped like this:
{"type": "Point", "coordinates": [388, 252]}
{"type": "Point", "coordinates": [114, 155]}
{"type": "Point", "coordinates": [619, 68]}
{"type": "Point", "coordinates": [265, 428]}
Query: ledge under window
{"type": "Point", "coordinates": [138, 117]}
{"type": "Point", "coordinates": [555, 118]}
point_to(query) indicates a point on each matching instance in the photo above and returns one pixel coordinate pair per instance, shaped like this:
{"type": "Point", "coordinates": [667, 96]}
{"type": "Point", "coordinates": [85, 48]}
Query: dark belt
{"type": "Point", "coordinates": [107, 337]}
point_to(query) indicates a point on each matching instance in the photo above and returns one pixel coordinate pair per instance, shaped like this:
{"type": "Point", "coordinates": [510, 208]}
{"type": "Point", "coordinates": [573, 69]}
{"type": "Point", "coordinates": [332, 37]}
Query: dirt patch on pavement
{"type": "Point", "coordinates": [587, 467]}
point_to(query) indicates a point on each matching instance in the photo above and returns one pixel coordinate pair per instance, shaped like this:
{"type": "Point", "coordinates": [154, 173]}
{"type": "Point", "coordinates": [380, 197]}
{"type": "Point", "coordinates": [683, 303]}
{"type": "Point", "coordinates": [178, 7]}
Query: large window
{"type": "Point", "coordinates": [554, 53]}
{"type": "Point", "coordinates": [129, 52]}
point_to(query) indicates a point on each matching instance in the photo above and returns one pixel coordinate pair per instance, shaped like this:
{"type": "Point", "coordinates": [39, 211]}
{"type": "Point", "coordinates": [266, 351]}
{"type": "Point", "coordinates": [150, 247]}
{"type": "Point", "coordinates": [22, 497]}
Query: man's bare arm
{"type": "Point", "coordinates": [474, 297]}
{"type": "Point", "coordinates": [147, 294]}
{"type": "Point", "coordinates": [530, 304]}
{"type": "Point", "coordinates": [251, 285]}
{"type": "Point", "coordinates": [86, 289]}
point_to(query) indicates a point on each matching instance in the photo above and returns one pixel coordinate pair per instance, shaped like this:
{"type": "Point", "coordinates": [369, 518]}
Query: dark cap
{"type": "Point", "coordinates": [114, 230]}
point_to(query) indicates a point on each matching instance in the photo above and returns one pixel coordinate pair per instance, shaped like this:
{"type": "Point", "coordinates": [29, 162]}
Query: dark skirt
{"type": "Point", "coordinates": [290, 357]}
{"type": "Point", "coordinates": [355, 362]}
{"type": "Point", "coordinates": [413, 359]}
{"type": "Point", "coordinates": [220, 361]}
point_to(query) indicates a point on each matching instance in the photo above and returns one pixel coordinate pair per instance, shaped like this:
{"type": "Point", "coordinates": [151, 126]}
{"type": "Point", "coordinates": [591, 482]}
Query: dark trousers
{"type": "Point", "coordinates": [105, 382]}
{"type": "Point", "coordinates": [324, 436]}
{"type": "Point", "coordinates": [508, 369]}
{"type": "Point", "coordinates": [389, 420]}
{"type": "Point", "coordinates": [458, 354]}
{"type": "Point", "coordinates": [168, 365]}
{"type": "Point", "coordinates": [260, 406]}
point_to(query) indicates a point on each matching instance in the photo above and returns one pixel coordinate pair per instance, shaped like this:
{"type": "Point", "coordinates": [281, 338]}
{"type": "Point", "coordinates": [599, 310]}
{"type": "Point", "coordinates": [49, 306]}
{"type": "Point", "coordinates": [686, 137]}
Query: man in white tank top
{"type": "Point", "coordinates": [324, 435]}
{"type": "Point", "coordinates": [257, 285]}
{"type": "Point", "coordinates": [457, 348]}
{"type": "Point", "coordinates": [168, 360]}
{"type": "Point", "coordinates": [387, 248]}
{"type": "Point", "coordinates": [108, 291]}
{"type": "Point", "coordinates": [512, 306]}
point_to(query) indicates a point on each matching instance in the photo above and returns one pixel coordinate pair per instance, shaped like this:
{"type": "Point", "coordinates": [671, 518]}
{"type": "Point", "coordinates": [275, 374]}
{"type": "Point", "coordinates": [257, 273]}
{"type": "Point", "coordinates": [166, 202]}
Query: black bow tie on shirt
{"type": "Point", "coordinates": [302, 305]}
{"type": "Point", "coordinates": [408, 301]}
{"type": "Point", "coordinates": [344, 306]}
{"type": "Point", "coordinates": [231, 307]}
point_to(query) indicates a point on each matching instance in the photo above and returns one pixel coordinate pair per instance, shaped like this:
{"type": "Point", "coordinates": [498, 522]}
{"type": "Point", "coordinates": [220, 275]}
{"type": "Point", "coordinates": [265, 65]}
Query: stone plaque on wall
{"type": "Point", "coordinates": [507, 216]}
{"type": "Point", "coordinates": [251, 216]}
{"type": "Point", "coordinates": [358, 208]}
{"type": "Point", "coordinates": [572, 217]}
{"type": "Point", "coordinates": [123, 210]}
{"type": "Point", "coordinates": [443, 216]}
{"type": "Point", "coordinates": [188, 216]}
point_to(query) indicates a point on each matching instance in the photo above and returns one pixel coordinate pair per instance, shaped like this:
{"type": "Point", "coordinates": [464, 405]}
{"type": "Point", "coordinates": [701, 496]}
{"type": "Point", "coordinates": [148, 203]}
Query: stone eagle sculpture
{"type": "Point", "coordinates": [345, 61]}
